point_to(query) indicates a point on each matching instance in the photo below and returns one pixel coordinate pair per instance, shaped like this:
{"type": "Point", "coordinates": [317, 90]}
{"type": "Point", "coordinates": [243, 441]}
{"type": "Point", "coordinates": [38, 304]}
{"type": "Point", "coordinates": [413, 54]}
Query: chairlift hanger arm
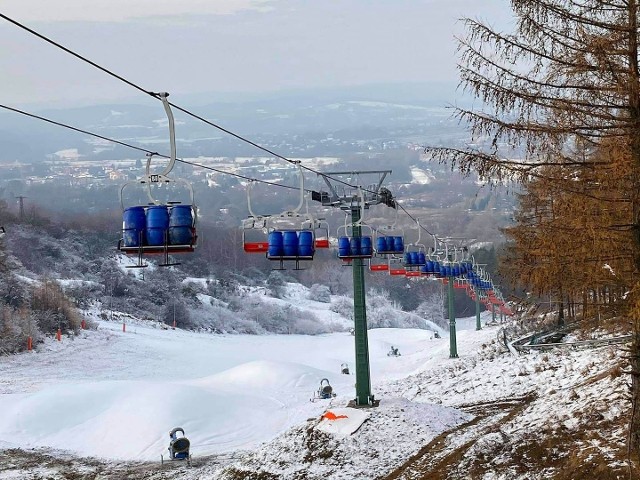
{"type": "Point", "coordinates": [172, 142]}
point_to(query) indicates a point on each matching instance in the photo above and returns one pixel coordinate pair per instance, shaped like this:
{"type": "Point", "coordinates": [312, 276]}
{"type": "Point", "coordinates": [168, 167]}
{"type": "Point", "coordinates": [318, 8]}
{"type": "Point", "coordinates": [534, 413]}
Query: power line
{"type": "Point", "coordinates": [77, 55]}
{"type": "Point", "coordinates": [75, 129]}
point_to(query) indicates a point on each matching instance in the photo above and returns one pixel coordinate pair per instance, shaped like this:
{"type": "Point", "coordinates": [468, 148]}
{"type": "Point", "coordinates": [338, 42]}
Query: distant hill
{"type": "Point", "coordinates": [384, 113]}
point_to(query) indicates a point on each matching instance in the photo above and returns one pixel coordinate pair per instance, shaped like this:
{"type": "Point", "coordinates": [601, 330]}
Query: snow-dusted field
{"type": "Point", "coordinates": [115, 395]}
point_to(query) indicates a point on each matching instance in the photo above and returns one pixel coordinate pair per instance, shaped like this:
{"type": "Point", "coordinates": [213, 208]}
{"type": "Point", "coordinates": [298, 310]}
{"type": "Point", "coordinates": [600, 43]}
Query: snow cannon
{"type": "Point", "coordinates": [325, 391]}
{"type": "Point", "coordinates": [393, 352]}
{"type": "Point", "coordinates": [178, 446]}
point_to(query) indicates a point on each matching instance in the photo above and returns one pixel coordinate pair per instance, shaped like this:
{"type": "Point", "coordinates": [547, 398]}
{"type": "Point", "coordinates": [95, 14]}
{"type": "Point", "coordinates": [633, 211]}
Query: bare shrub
{"type": "Point", "coordinates": [53, 309]}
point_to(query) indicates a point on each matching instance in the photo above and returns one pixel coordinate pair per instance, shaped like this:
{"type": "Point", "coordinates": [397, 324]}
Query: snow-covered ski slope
{"type": "Point", "coordinates": [116, 395]}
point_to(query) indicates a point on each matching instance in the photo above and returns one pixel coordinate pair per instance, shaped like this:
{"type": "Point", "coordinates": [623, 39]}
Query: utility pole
{"type": "Point", "coordinates": [21, 202]}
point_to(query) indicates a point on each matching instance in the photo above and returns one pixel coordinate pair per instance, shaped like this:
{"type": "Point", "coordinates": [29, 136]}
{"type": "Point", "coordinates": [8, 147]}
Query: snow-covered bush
{"type": "Point", "coordinates": [220, 320]}
{"type": "Point", "coordinates": [277, 284]}
{"type": "Point", "coordinates": [432, 310]}
{"type": "Point", "coordinates": [342, 306]}
{"type": "Point", "coordinates": [320, 293]}
{"type": "Point", "coordinates": [283, 319]}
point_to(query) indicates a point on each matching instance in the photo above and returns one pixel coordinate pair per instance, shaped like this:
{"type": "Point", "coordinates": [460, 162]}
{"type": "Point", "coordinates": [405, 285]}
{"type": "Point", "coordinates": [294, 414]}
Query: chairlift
{"type": "Point", "coordinates": [254, 229]}
{"type": "Point", "coordinates": [432, 261]}
{"type": "Point", "coordinates": [160, 227]}
{"type": "Point", "coordinates": [350, 246]}
{"type": "Point", "coordinates": [389, 239]}
{"type": "Point", "coordinates": [460, 284]}
{"type": "Point", "coordinates": [396, 265]}
{"type": "Point", "coordinates": [378, 263]}
{"type": "Point", "coordinates": [291, 234]}
{"type": "Point", "coordinates": [321, 233]}
{"type": "Point", "coordinates": [415, 256]}
{"type": "Point", "coordinates": [254, 235]}
{"type": "Point", "coordinates": [356, 238]}
{"type": "Point", "coordinates": [376, 266]}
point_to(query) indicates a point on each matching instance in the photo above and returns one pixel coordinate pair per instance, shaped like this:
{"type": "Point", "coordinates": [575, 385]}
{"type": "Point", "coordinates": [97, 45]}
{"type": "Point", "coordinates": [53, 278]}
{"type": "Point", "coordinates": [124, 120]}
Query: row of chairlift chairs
{"type": "Point", "coordinates": [386, 251]}
{"type": "Point", "coordinates": [293, 236]}
{"type": "Point", "coordinates": [168, 227]}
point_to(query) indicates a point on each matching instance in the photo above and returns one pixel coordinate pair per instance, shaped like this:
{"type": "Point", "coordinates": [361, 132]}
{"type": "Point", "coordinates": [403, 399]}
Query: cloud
{"type": "Point", "coordinates": [121, 10]}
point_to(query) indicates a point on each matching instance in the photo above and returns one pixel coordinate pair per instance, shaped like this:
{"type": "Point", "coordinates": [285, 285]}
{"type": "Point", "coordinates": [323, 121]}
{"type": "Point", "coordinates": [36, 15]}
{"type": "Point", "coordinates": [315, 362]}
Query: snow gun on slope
{"type": "Point", "coordinates": [393, 352]}
{"type": "Point", "coordinates": [325, 391]}
{"type": "Point", "coordinates": [178, 446]}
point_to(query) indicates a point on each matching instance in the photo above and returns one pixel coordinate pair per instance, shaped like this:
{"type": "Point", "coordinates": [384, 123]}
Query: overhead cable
{"type": "Point", "coordinates": [177, 107]}
{"type": "Point", "coordinates": [141, 149]}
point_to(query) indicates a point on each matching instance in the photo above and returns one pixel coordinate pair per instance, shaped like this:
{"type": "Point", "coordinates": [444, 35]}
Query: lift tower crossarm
{"type": "Point", "coordinates": [371, 196]}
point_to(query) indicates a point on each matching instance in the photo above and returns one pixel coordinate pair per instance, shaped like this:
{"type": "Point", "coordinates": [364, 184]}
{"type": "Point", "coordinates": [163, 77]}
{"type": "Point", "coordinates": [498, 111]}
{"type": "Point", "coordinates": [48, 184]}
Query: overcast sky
{"type": "Point", "coordinates": [192, 46]}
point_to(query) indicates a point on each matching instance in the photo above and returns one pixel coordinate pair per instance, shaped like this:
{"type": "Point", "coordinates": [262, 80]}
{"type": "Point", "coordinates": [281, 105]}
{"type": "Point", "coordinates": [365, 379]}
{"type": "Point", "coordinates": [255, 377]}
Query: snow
{"type": "Point", "coordinates": [421, 176]}
{"type": "Point", "coordinates": [116, 395]}
{"type": "Point", "coordinates": [228, 392]}
{"type": "Point", "coordinates": [342, 422]}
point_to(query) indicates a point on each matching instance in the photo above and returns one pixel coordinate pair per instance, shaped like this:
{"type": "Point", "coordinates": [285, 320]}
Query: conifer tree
{"type": "Point", "coordinates": [561, 112]}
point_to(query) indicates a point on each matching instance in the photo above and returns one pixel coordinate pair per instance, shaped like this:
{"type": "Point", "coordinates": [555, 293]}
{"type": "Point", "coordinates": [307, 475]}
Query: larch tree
{"type": "Point", "coordinates": [560, 94]}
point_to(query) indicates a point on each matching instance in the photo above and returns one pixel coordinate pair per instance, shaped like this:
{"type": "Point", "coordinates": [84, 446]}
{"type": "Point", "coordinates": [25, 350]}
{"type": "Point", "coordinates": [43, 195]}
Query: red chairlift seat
{"type": "Point", "coordinates": [380, 267]}
{"type": "Point", "coordinates": [254, 237]}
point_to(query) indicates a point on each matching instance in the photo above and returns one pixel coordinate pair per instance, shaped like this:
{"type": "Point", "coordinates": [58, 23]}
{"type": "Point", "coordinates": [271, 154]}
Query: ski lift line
{"type": "Point", "coordinates": [157, 96]}
{"type": "Point", "coordinates": [79, 130]}
{"type": "Point", "coordinates": [141, 149]}
{"type": "Point", "coordinates": [150, 153]}
{"type": "Point", "coordinates": [77, 55]}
